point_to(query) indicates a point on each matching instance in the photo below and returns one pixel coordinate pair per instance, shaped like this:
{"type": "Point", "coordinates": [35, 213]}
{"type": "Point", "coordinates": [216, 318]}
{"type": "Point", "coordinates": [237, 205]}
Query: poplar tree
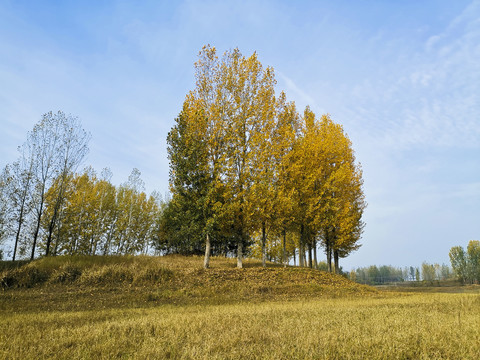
{"type": "Point", "coordinates": [340, 201]}
{"type": "Point", "coordinates": [4, 222]}
{"type": "Point", "coordinates": [302, 170]}
{"type": "Point", "coordinates": [197, 154]}
{"type": "Point", "coordinates": [57, 144]}
{"type": "Point", "coordinates": [17, 198]}
{"type": "Point", "coordinates": [189, 184]}
{"type": "Point", "coordinates": [250, 89]}
{"type": "Point", "coordinates": [327, 189]}
{"type": "Point", "coordinates": [72, 148]}
{"type": "Point", "coordinates": [284, 135]}
{"type": "Point", "coordinates": [221, 130]}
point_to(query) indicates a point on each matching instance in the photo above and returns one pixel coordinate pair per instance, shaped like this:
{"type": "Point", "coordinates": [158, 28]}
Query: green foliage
{"type": "Point", "coordinates": [183, 224]}
{"type": "Point", "coordinates": [384, 274]}
{"type": "Point", "coordinates": [466, 264]}
{"type": "Point", "coordinates": [473, 251]}
{"type": "Point", "coordinates": [323, 266]}
{"type": "Point", "coordinates": [374, 275]}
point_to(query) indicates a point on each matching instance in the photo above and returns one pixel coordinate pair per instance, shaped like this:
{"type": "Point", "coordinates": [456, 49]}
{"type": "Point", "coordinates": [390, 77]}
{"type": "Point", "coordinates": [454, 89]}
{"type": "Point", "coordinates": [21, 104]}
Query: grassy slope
{"type": "Point", "coordinates": [162, 308]}
{"type": "Point", "coordinates": [113, 282]}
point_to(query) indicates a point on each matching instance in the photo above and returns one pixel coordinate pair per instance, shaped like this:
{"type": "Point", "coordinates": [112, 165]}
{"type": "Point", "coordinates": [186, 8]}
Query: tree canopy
{"type": "Point", "coordinates": [245, 166]}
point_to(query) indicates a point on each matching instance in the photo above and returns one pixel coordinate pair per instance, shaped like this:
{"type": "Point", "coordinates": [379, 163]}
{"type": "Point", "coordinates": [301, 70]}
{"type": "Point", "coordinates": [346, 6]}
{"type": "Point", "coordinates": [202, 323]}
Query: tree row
{"type": "Point", "coordinates": [46, 205]}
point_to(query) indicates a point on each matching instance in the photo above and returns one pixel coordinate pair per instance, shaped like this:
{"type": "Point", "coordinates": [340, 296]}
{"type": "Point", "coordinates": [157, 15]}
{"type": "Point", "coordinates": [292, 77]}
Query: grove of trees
{"type": "Point", "coordinates": [45, 204]}
{"type": "Point", "coordinates": [249, 176]}
{"type": "Point", "coordinates": [248, 173]}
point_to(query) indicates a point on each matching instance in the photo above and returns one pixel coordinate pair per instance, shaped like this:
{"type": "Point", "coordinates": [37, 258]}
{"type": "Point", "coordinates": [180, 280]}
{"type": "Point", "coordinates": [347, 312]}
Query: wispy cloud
{"type": "Point", "coordinates": [431, 97]}
{"type": "Point", "coordinates": [404, 84]}
{"type": "Point", "coordinates": [302, 97]}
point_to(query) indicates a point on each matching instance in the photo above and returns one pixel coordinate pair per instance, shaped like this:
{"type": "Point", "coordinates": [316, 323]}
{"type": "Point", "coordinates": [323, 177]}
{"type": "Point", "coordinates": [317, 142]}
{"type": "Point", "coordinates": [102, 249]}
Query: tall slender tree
{"type": "Point", "coordinates": [341, 202]}
{"type": "Point", "coordinates": [72, 148]}
{"type": "Point", "coordinates": [283, 140]}
{"type": "Point", "coordinates": [5, 181]}
{"type": "Point", "coordinates": [250, 88]}
{"type": "Point", "coordinates": [57, 144]}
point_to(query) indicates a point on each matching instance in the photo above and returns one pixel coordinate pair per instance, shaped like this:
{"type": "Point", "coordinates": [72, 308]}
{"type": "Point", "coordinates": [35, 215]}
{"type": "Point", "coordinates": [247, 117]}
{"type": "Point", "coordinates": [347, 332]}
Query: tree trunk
{"type": "Point", "coordinates": [22, 208]}
{"type": "Point", "coordinates": [310, 262]}
{"type": "Point", "coordinates": [206, 262]}
{"type": "Point", "coordinates": [17, 236]}
{"type": "Point", "coordinates": [264, 246]}
{"type": "Point", "coordinates": [300, 255]}
{"type": "Point", "coordinates": [51, 226]}
{"type": "Point", "coordinates": [335, 259]}
{"type": "Point", "coordinates": [37, 227]}
{"type": "Point", "coordinates": [55, 249]}
{"type": "Point", "coordinates": [106, 247]}
{"type": "Point", "coordinates": [315, 255]}
{"type": "Point", "coordinates": [240, 254]}
{"type": "Point", "coordinates": [301, 252]}
{"type": "Point", "coordinates": [95, 245]}
{"type": "Point", "coordinates": [50, 232]}
{"type": "Point", "coordinates": [284, 248]}
{"type": "Point", "coordinates": [329, 255]}
{"type": "Point", "coordinates": [92, 245]}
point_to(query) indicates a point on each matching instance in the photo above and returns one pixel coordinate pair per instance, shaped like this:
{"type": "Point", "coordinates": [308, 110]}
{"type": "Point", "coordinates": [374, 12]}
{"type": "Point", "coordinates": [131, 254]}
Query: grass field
{"type": "Point", "coordinates": [184, 312]}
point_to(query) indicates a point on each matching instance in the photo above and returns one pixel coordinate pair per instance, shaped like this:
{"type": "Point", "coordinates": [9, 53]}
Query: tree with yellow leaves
{"type": "Point", "coordinates": [339, 202]}
{"type": "Point", "coordinates": [282, 144]}
{"type": "Point", "coordinates": [197, 153]}
{"type": "Point", "coordinates": [227, 119]}
{"type": "Point", "coordinates": [244, 164]}
{"type": "Point", "coordinates": [326, 183]}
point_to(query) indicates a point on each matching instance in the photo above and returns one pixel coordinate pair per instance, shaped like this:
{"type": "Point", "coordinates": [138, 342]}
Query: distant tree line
{"type": "Point", "coordinates": [373, 275]}
{"type": "Point", "coordinates": [250, 175]}
{"type": "Point", "coordinates": [466, 264]}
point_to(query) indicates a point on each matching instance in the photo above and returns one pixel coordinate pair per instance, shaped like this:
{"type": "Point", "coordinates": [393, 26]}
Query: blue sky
{"type": "Point", "coordinates": [403, 77]}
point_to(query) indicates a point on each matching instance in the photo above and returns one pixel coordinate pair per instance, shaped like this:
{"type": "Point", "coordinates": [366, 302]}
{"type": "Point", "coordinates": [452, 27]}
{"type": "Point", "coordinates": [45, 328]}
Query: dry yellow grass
{"type": "Point", "coordinates": [430, 326]}
{"type": "Point", "coordinates": [225, 313]}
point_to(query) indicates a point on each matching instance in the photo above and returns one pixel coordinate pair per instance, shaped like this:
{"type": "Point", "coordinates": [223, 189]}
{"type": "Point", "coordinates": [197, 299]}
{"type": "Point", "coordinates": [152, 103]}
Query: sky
{"type": "Point", "coordinates": [402, 77]}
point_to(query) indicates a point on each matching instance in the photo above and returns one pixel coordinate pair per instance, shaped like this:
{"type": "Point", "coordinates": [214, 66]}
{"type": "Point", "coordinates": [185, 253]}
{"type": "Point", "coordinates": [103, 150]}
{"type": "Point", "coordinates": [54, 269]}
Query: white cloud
{"type": "Point", "coordinates": [431, 99]}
